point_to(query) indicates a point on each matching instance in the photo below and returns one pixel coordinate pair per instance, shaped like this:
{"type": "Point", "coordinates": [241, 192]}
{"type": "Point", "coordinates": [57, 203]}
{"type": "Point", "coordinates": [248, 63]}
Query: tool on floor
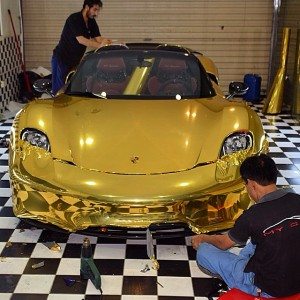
{"type": "Point", "coordinates": [146, 269]}
{"type": "Point", "coordinates": [150, 250]}
{"type": "Point", "coordinates": [38, 265]}
{"type": "Point", "coordinates": [53, 246]}
{"type": "Point", "coordinates": [69, 281]}
{"type": "Point", "coordinates": [88, 269]}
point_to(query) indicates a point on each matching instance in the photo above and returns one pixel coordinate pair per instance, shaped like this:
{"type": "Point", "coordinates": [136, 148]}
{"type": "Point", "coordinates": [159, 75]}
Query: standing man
{"type": "Point", "coordinates": [80, 31]}
{"type": "Point", "coordinates": [270, 263]}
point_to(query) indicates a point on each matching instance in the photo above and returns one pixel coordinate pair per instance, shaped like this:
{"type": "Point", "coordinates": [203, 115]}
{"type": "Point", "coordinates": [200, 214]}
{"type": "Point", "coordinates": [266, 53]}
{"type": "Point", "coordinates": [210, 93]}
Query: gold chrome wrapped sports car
{"type": "Point", "coordinates": [141, 136]}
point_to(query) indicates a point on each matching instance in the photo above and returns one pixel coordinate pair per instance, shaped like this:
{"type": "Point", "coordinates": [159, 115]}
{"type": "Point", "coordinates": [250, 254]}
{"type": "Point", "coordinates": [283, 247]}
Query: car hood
{"type": "Point", "coordinates": [140, 137]}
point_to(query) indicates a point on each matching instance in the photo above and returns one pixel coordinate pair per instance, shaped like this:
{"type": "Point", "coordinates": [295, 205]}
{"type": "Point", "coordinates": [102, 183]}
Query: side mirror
{"type": "Point", "coordinates": [43, 86]}
{"type": "Point", "coordinates": [69, 76]}
{"type": "Point", "coordinates": [237, 88]}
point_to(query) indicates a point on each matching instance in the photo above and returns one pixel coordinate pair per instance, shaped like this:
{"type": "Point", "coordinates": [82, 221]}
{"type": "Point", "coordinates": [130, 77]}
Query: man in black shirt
{"type": "Point", "coordinates": [269, 264]}
{"type": "Point", "coordinates": [80, 31]}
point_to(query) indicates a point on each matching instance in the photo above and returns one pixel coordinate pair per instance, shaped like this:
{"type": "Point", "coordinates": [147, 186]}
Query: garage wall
{"type": "Point", "coordinates": [235, 34]}
{"type": "Point", "coordinates": [10, 64]}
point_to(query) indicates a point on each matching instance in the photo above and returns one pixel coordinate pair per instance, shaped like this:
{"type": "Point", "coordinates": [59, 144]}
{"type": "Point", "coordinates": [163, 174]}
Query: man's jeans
{"type": "Point", "coordinates": [229, 266]}
{"type": "Point", "coordinates": [59, 74]}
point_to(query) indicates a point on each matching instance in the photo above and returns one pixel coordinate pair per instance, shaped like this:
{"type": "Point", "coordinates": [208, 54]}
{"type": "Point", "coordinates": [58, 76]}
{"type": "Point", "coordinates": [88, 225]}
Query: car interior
{"type": "Point", "coordinates": [110, 76]}
{"type": "Point", "coordinates": [172, 78]}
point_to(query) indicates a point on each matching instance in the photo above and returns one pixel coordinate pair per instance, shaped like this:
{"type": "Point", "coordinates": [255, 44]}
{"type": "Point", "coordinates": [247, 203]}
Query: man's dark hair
{"type": "Point", "coordinates": [91, 3]}
{"type": "Point", "coordinates": [260, 168]}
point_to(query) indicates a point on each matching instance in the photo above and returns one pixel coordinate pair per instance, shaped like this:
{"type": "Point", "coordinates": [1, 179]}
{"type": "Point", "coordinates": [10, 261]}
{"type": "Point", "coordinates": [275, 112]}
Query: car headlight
{"type": "Point", "coordinates": [36, 138]}
{"type": "Point", "coordinates": [236, 142]}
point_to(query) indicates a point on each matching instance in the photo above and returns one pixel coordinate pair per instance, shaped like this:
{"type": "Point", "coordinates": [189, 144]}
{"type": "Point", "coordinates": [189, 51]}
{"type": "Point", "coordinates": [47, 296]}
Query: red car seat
{"type": "Point", "coordinates": [172, 78]}
{"type": "Point", "coordinates": [235, 294]}
{"type": "Point", "coordinates": [110, 77]}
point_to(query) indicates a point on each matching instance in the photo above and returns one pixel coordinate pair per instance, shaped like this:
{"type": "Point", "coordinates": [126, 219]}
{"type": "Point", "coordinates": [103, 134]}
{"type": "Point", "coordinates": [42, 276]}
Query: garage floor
{"type": "Point", "coordinates": [119, 261]}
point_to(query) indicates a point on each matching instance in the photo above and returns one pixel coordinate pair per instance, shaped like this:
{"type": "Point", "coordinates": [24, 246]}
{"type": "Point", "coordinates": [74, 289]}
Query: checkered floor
{"type": "Point", "coordinates": [119, 261]}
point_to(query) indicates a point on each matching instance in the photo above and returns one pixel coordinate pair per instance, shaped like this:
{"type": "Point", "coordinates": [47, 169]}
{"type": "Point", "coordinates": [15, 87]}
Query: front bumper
{"type": "Point", "coordinates": [202, 214]}
{"type": "Point", "coordinates": [207, 198]}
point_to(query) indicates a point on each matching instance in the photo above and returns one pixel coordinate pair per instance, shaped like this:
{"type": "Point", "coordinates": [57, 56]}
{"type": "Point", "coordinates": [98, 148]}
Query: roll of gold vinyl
{"type": "Point", "coordinates": [275, 97]}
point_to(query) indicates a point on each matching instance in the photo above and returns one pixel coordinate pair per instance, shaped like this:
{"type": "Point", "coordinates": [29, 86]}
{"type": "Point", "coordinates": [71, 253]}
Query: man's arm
{"type": "Point", "coordinates": [96, 42]}
{"type": "Point", "coordinates": [221, 241]}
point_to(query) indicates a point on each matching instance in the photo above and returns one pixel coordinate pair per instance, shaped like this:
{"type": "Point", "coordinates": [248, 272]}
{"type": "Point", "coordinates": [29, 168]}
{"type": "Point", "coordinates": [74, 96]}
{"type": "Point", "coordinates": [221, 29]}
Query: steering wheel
{"type": "Point", "coordinates": [172, 87]}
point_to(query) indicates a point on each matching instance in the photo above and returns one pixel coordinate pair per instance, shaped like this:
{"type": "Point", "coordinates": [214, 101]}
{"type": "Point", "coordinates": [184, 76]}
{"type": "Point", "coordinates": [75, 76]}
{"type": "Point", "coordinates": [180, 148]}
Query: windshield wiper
{"type": "Point", "coordinates": [102, 95]}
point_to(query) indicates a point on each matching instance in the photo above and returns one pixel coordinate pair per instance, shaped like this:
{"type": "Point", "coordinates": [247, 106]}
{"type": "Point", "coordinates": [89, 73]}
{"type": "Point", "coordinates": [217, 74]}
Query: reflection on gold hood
{"type": "Point", "coordinates": [138, 137]}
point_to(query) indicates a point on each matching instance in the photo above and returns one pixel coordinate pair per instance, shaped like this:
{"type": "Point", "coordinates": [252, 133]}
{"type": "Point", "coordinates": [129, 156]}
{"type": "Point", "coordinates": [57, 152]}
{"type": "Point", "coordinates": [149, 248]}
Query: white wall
{"type": "Point", "coordinates": [5, 23]}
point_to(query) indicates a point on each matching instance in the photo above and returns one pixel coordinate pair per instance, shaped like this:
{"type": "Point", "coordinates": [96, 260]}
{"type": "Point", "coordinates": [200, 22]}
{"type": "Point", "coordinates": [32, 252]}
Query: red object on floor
{"type": "Point", "coordinates": [235, 294]}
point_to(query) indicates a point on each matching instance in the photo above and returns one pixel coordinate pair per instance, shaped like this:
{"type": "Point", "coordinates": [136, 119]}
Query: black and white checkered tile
{"type": "Point", "coordinates": [119, 261]}
{"type": "Point", "coordinates": [284, 141]}
{"type": "Point", "coordinates": [9, 68]}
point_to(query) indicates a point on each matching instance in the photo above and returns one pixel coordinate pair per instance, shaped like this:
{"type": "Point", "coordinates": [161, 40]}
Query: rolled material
{"type": "Point", "coordinates": [296, 98]}
{"type": "Point", "coordinates": [275, 97]}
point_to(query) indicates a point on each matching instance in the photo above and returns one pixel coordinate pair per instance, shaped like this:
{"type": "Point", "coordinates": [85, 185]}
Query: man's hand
{"type": "Point", "coordinates": [221, 241]}
{"type": "Point", "coordinates": [105, 42]}
{"type": "Point", "coordinates": [197, 240]}
{"type": "Point", "coordinates": [96, 42]}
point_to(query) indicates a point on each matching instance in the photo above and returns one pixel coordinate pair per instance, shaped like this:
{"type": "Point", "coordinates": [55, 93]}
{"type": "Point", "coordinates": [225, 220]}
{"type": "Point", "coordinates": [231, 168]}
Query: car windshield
{"type": "Point", "coordinates": [141, 74]}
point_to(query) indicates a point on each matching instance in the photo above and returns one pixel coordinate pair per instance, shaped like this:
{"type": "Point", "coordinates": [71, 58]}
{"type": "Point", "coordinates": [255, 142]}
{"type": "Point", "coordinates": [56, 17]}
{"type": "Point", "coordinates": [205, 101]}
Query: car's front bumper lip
{"type": "Point", "coordinates": [158, 231]}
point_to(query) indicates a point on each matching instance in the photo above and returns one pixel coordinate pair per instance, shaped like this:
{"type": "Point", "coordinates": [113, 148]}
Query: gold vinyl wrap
{"type": "Point", "coordinates": [206, 209]}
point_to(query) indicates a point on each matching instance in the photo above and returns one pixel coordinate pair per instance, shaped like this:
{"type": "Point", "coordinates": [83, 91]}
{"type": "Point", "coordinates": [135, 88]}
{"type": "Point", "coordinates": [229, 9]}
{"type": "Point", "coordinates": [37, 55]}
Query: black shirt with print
{"type": "Point", "coordinates": [274, 228]}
